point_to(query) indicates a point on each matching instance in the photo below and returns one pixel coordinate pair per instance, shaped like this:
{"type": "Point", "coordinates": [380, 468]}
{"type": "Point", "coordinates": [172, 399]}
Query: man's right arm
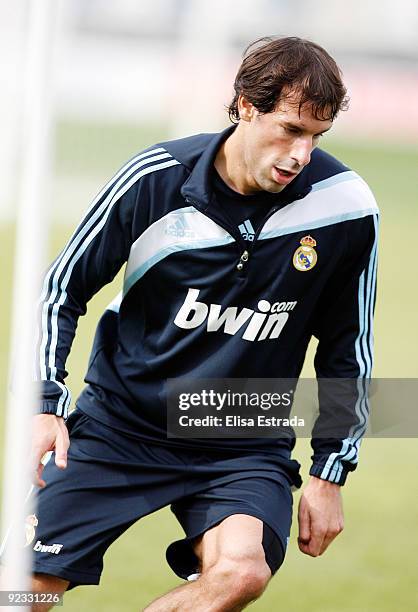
{"type": "Point", "coordinates": [92, 257]}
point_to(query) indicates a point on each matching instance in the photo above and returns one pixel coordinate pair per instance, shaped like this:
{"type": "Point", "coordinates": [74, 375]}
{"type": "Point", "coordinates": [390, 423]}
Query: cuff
{"type": "Point", "coordinates": [50, 407]}
{"type": "Point", "coordinates": [55, 398]}
{"type": "Point", "coordinates": [337, 474]}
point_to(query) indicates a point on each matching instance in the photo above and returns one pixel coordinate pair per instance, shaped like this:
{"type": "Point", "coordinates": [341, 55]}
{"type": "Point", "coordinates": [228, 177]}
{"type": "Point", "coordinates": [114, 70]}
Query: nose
{"type": "Point", "coordinates": [301, 152]}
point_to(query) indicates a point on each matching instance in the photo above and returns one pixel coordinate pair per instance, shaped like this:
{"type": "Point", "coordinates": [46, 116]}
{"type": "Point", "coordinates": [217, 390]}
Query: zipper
{"type": "Point", "coordinates": [244, 249]}
{"type": "Point", "coordinates": [262, 224]}
{"type": "Point", "coordinates": [243, 260]}
{"type": "Point", "coordinates": [245, 256]}
{"type": "Point", "coordinates": [232, 231]}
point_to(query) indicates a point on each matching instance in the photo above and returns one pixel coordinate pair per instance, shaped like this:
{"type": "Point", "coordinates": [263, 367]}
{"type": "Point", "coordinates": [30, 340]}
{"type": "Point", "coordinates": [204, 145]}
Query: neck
{"type": "Point", "coordinates": [230, 164]}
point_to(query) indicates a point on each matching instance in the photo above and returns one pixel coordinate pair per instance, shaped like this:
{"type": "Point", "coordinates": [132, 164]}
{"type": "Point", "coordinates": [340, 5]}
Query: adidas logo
{"type": "Point", "coordinates": [247, 230]}
{"type": "Point", "coordinates": [266, 324]}
{"type": "Point", "coordinates": [180, 229]}
{"type": "Point", "coordinates": [52, 548]}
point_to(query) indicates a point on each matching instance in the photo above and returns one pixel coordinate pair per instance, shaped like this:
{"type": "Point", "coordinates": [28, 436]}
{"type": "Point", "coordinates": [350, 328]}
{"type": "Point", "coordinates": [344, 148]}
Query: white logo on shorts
{"type": "Point", "coordinates": [52, 548]}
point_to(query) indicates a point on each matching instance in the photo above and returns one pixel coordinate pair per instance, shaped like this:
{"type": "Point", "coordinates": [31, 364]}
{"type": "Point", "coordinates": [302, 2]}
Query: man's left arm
{"type": "Point", "coordinates": [343, 363]}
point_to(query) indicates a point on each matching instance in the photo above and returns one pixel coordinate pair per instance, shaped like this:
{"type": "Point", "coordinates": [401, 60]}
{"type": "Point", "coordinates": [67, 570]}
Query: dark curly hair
{"type": "Point", "coordinates": [276, 68]}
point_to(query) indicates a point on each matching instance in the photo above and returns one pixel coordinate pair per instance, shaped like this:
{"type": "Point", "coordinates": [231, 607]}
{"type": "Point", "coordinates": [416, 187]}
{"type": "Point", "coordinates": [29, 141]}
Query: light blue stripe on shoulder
{"type": "Point", "coordinates": [348, 216]}
{"type": "Point", "coordinates": [174, 248]}
{"type": "Point", "coordinates": [342, 177]}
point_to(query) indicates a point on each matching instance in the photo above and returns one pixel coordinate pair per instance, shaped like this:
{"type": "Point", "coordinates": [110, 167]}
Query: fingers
{"type": "Point", "coordinates": [312, 544]}
{"type": "Point", "coordinates": [320, 538]}
{"type": "Point", "coordinates": [49, 434]}
{"type": "Point", "coordinates": [62, 444]}
{"type": "Point", "coordinates": [321, 516]}
{"type": "Point", "coordinates": [331, 534]}
{"type": "Point", "coordinates": [304, 520]}
{"type": "Point", "coordinates": [36, 466]}
{"type": "Point", "coordinates": [316, 542]}
{"type": "Point", "coordinates": [39, 480]}
{"type": "Point", "coordinates": [315, 531]}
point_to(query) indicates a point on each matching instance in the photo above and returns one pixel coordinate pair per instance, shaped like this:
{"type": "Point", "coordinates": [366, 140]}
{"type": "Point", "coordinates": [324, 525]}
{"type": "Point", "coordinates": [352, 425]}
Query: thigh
{"type": "Point", "coordinates": [109, 483]}
{"type": "Point", "coordinates": [247, 515]}
{"type": "Point", "coordinates": [237, 537]}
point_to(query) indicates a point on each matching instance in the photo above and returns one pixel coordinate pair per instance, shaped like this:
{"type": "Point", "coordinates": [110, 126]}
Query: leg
{"type": "Point", "coordinates": [112, 481]}
{"type": "Point", "coordinates": [234, 571]}
{"type": "Point", "coordinates": [42, 583]}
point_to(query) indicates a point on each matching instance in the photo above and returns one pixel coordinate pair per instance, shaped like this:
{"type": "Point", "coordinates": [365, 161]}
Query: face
{"type": "Point", "coordinates": [277, 145]}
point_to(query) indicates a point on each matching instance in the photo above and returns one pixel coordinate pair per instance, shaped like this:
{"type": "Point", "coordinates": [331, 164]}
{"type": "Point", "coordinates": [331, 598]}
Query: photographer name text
{"type": "Point", "coordinates": [239, 421]}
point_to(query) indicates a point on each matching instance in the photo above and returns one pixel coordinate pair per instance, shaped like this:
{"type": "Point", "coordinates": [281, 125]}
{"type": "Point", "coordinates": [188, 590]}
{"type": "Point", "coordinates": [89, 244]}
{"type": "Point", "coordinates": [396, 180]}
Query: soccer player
{"type": "Point", "coordinates": [215, 230]}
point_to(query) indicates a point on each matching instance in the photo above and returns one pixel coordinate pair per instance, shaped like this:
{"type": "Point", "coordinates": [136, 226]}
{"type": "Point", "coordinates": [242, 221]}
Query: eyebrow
{"type": "Point", "coordinates": [301, 129]}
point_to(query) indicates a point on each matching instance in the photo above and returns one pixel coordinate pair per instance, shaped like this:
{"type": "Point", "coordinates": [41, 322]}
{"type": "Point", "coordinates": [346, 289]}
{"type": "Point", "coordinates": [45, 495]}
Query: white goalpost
{"type": "Point", "coordinates": [31, 238]}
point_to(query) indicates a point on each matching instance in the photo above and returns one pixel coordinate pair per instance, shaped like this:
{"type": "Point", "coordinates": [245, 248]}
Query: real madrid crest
{"type": "Point", "coordinates": [30, 524]}
{"type": "Point", "coordinates": [305, 256]}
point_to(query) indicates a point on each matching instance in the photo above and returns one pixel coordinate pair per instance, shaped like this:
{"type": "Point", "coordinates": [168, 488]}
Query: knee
{"type": "Point", "coordinates": [43, 583]}
{"type": "Point", "coordinates": [244, 579]}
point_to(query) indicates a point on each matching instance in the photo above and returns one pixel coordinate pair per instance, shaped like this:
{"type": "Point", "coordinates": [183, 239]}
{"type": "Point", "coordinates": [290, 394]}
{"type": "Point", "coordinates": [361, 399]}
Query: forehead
{"type": "Point", "coordinates": [288, 109]}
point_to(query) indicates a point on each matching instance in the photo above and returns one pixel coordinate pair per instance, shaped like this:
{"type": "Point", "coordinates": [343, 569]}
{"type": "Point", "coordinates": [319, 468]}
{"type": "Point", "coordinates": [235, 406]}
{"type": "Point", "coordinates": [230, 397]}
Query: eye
{"type": "Point", "coordinates": [292, 130]}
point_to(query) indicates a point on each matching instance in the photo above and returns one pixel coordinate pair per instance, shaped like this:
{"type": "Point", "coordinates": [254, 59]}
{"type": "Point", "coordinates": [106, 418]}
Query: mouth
{"type": "Point", "coordinates": [282, 175]}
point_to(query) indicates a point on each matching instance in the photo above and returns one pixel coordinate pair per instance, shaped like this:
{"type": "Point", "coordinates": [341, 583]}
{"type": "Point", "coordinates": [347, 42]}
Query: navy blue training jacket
{"type": "Point", "coordinates": [200, 302]}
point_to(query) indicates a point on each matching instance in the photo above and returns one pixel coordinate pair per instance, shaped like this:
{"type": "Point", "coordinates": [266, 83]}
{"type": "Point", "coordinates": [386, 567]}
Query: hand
{"type": "Point", "coordinates": [320, 516]}
{"type": "Point", "coordinates": [49, 433]}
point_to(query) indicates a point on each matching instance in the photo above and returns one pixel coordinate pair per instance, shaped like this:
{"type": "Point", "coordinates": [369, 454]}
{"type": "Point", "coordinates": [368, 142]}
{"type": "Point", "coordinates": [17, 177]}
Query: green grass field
{"type": "Point", "coordinates": [372, 566]}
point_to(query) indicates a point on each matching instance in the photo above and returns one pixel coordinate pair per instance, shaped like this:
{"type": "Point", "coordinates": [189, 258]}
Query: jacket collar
{"type": "Point", "coordinates": [198, 186]}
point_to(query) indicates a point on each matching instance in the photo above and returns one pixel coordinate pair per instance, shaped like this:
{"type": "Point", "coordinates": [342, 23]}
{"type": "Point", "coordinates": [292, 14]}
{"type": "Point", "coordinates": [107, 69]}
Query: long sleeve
{"type": "Point", "coordinates": [93, 256]}
{"type": "Point", "coordinates": [344, 328]}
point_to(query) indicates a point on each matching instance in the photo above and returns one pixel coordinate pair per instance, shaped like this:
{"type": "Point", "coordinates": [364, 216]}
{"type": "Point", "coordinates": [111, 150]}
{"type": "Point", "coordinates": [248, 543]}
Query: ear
{"type": "Point", "coordinates": [246, 110]}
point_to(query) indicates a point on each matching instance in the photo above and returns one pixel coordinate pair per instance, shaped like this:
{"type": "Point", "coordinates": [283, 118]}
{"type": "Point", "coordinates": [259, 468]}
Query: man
{"type": "Point", "coordinates": [241, 220]}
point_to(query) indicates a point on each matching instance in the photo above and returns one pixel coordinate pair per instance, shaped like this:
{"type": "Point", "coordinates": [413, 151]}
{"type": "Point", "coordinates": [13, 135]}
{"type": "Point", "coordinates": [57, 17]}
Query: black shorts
{"type": "Point", "coordinates": [112, 480]}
